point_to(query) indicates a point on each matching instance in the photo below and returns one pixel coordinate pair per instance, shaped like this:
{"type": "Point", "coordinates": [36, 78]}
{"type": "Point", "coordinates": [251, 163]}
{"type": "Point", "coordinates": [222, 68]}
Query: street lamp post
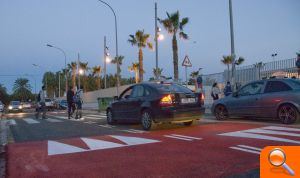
{"type": "Point", "coordinates": [66, 76]}
{"type": "Point", "coordinates": [232, 42]}
{"type": "Point", "coordinates": [156, 43]}
{"type": "Point", "coordinates": [46, 80]}
{"type": "Point", "coordinates": [116, 31]}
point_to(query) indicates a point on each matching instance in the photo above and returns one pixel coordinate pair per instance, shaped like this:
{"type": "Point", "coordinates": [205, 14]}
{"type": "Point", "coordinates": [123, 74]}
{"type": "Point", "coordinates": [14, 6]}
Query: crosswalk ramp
{"type": "Point", "coordinates": [270, 133]}
{"type": "Point", "coordinates": [31, 121]}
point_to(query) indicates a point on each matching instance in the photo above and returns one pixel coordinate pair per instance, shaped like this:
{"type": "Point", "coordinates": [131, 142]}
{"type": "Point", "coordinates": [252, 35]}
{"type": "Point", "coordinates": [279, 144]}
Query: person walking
{"type": "Point", "coordinates": [78, 99]}
{"type": "Point", "coordinates": [215, 91]}
{"type": "Point", "coordinates": [41, 105]}
{"type": "Point", "coordinates": [227, 89]}
{"type": "Point", "coordinates": [70, 101]}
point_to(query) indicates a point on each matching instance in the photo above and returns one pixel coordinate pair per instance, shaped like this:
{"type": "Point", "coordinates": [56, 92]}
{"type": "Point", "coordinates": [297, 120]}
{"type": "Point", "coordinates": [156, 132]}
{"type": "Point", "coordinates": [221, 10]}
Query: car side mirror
{"type": "Point", "coordinates": [116, 98]}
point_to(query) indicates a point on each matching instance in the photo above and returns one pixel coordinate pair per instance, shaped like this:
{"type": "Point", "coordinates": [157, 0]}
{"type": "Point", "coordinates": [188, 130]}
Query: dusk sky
{"type": "Point", "coordinates": [261, 27]}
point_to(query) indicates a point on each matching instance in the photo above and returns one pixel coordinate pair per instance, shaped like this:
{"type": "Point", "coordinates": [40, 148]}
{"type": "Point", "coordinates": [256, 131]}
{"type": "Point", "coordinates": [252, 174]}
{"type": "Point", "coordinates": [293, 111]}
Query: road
{"type": "Point", "coordinates": [58, 147]}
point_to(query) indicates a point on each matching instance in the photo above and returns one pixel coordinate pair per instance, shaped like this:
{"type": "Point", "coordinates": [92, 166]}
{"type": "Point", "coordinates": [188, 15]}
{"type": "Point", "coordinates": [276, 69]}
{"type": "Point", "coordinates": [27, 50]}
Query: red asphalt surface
{"type": "Point", "coordinates": [209, 157]}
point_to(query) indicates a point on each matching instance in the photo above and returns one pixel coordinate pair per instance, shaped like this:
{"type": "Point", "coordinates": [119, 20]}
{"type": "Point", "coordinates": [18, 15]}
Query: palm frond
{"type": "Point", "coordinates": [183, 35]}
{"type": "Point", "coordinates": [183, 22]}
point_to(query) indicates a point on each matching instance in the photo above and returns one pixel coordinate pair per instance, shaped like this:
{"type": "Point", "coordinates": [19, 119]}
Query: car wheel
{"type": "Point", "coordinates": [147, 120]}
{"type": "Point", "coordinates": [110, 119]}
{"type": "Point", "coordinates": [288, 114]}
{"type": "Point", "coordinates": [221, 112]}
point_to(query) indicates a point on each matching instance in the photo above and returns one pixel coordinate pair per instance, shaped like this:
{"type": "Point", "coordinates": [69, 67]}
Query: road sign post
{"type": "Point", "coordinates": [186, 63]}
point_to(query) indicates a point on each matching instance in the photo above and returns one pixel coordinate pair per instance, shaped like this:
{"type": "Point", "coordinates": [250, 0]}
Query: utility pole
{"type": "Point", "coordinates": [78, 73]}
{"type": "Point", "coordinates": [156, 43]}
{"type": "Point", "coordinates": [232, 42]}
{"type": "Point", "coordinates": [59, 84]}
{"type": "Point", "coordinates": [104, 60]}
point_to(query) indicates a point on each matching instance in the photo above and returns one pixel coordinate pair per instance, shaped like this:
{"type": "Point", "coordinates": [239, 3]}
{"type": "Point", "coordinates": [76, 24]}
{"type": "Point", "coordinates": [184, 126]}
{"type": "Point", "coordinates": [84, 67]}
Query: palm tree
{"type": "Point", "coordinates": [84, 66]}
{"type": "Point", "coordinates": [227, 60]}
{"type": "Point", "coordinates": [73, 68]}
{"type": "Point", "coordinates": [259, 65]}
{"type": "Point", "coordinates": [174, 25]}
{"type": "Point", "coordinates": [135, 68]}
{"type": "Point", "coordinates": [22, 89]}
{"type": "Point", "coordinates": [118, 60]}
{"type": "Point", "coordinates": [141, 40]}
{"type": "Point", "coordinates": [157, 72]}
{"type": "Point", "coordinates": [97, 72]}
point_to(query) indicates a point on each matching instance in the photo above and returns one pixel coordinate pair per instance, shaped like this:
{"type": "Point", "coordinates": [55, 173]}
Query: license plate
{"type": "Point", "coordinates": [188, 100]}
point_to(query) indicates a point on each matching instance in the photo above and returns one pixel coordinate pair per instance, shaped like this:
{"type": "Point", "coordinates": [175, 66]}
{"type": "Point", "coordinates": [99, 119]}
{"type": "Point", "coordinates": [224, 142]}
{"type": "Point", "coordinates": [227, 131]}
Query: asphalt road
{"type": "Point", "coordinates": [58, 147]}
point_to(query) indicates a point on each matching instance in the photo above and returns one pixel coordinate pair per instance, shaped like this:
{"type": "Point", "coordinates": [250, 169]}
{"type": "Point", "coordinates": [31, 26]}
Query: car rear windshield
{"type": "Point", "coordinates": [295, 84]}
{"type": "Point", "coordinates": [47, 100]}
{"type": "Point", "coordinates": [173, 88]}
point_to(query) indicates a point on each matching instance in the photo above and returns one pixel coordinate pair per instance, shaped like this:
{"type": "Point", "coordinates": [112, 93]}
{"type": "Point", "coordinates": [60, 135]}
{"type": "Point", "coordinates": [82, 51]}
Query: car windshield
{"type": "Point", "coordinates": [63, 101]}
{"type": "Point", "coordinates": [15, 102]}
{"type": "Point", "coordinates": [173, 88]}
{"type": "Point", "coordinates": [295, 84]}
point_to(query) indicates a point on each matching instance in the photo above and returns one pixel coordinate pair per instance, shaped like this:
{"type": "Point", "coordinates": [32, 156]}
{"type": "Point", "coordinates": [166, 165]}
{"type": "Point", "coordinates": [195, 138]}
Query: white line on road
{"type": "Point", "coordinates": [186, 136]}
{"type": "Point", "coordinates": [134, 131]}
{"type": "Point", "coordinates": [250, 147]}
{"type": "Point", "coordinates": [95, 118]}
{"type": "Point", "coordinates": [12, 122]}
{"type": "Point", "coordinates": [245, 150]}
{"type": "Point", "coordinates": [281, 128]}
{"type": "Point", "coordinates": [31, 121]}
{"type": "Point", "coordinates": [53, 120]}
{"type": "Point", "coordinates": [180, 138]}
{"type": "Point", "coordinates": [107, 126]}
{"type": "Point", "coordinates": [90, 122]}
{"type": "Point", "coordinates": [100, 115]}
{"type": "Point", "coordinates": [272, 132]}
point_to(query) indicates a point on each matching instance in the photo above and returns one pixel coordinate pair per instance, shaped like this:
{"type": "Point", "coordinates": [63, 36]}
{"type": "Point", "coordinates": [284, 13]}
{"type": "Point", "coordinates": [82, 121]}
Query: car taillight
{"type": "Point", "coordinates": [166, 100]}
{"type": "Point", "coordinates": [201, 97]}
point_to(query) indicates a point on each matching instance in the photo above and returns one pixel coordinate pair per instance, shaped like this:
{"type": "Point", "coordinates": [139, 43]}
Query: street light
{"type": "Point", "coordinates": [80, 72]}
{"type": "Point", "coordinates": [274, 55]}
{"type": "Point", "coordinates": [116, 31]}
{"type": "Point", "coordinates": [66, 76]}
{"type": "Point", "coordinates": [38, 66]}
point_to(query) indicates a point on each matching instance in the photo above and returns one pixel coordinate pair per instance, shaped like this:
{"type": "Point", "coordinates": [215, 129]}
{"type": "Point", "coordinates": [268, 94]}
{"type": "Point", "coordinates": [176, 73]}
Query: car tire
{"type": "Point", "coordinates": [110, 119]}
{"type": "Point", "coordinates": [147, 120]}
{"type": "Point", "coordinates": [288, 114]}
{"type": "Point", "coordinates": [221, 112]}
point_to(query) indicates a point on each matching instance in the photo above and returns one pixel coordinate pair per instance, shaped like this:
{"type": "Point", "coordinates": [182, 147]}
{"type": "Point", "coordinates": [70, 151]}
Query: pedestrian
{"type": "Point", "coordinates": [215, 91]}
{"type": "Point", "coordinates": [41, 105]}
{"type": "Point", "coordinates": [70, 101]}
{"type": "Point", "coordinates": [78, 100]}
{"type": "Point", "coordinates": [227, 89]}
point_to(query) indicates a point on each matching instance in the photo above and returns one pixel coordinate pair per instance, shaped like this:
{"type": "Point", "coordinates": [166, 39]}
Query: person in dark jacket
{"type": "Point", "coordinates": [70, 96]}
{"type": "Point", "coordinates": [227, 89]}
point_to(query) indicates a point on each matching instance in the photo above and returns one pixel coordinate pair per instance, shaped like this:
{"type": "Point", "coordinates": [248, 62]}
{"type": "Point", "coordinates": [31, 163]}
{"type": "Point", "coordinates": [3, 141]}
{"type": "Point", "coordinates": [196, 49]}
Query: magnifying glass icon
{"type": "Point", "coordinates": [277, 158]}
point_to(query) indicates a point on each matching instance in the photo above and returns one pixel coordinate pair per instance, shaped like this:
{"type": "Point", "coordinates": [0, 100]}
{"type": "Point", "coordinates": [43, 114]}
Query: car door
{"type": "Point", "coordinates": [246, 102]}
{"type": "Point", "coordinates": [134, 102]}
{"type": "Point", "coordinates": [120, 107]}
{"type": "Point", "coordinates": [274, 93]}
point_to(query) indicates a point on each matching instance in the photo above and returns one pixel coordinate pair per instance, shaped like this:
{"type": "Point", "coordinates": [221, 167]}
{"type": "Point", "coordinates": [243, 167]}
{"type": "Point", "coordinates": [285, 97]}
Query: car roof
{"type": "Point", "coordinates": [275, 79]}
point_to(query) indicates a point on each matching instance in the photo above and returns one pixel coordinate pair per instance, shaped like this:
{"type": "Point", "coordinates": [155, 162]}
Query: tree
{"type": "Point", "coordinates": [22, 89]}
{"type": "Point", "coordinates": [119, 61]}
{"type": "Point", "coordinates": [4, 97]}
{"type": "Point", "coordinates": [227, 60]}
{"type": "Point", "coordinates": [157, 72]}
{"type": "Point", "coordinates": [50, 80]}
{"type": "Point", "coordinates": [84, 66]}
{"type": "Point", "coordinates": [73, 67]}
{"type": "Point", "coordinates": [175, 26]}
{"type": "Point", "coordinates": [141, 40]}
{"type": "Point", "coordinates": [96, 70]}
{"type": "Point", "coordinates": [135, 68]}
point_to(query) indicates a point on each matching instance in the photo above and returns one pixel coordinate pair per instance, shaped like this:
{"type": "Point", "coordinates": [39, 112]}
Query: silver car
{"type": "Point", "coordinates": [270, 98]}
{"type": "Point", "coordinates": [1, 106]}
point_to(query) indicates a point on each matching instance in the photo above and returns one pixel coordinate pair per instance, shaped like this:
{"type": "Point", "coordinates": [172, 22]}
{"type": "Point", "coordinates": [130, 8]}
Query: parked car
{"type": "Point", "coordinates": [15, 106]}
{"type": "Point", "coordinates": [26, 105]}
{"type": "Point", "coordinates": [49, 104]}
{"type": "Point", "coordinates": [1, 106]}
{"type": "Point", "coordinates": [152, 103]}
{"type": "Point", "coordinates": [269, 98]}
{"type": "Point", "coordinates": [62, 104]}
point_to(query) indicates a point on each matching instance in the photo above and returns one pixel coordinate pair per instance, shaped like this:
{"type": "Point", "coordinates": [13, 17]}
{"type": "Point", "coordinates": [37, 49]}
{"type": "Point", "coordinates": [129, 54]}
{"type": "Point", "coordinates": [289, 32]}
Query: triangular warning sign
{"type": "Point", "coordinates": [186, 62]}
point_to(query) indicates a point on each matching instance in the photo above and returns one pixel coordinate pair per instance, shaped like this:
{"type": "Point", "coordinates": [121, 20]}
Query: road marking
{"type": "Point", "coordinates": [250, 147]}
{"type": "Point", "coordinates": [31, 121]}
{"type": "Point", "coordinates": [282, 128]}
{"type": "Point", "coordinates": [262, 131]}
{"type": "Point", "coordinates": [12, 122]}
{"type": "Point", "coordinates": [107, 126]}
{"type": "Point", "coordinates": [180, 138]}
{"type": "Point", "coordinates": [53, 120]}
{"type": "Point", "coordinates": [56, 148]}
{"type": "Point", "coordinates": [245, 150]}
{"type": "Point", "coordinates": [134, 140]}
{"type": "Point", "coordinates": [90, 122]}
{"type": "Point", "coordinates": [258, 136]}
{"type": "Point", "coordinates": [96, 118]}
{"type": "Point", "coordinates": [195, 138]}
{"type": "Point", "coordinates": [100, 115]}
{"type": "Point", "coordinates": [134, 131]}
{"type": "Point", "coordinates": [94, 144]}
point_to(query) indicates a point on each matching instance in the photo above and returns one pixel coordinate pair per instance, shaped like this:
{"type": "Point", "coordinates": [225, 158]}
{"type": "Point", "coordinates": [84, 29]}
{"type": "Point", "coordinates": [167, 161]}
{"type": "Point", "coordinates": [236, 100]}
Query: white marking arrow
{"type": "Point", "coordinates": [134, 140]}
{"type": "Point", "coordinates": [94, 144]}
{"type": "Point", "coordinates": [56, 148]}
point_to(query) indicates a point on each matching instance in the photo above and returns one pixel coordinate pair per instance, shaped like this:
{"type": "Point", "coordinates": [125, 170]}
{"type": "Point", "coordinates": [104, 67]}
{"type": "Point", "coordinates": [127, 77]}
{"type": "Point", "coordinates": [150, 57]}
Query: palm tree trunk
{"type": "Point", "coordinates": [175, 57]}
{"type": "Point", "coordinates": [99, 82]}
{"type": "Point", "coordinates": [228, 73]}
{"type": "Point", "coordinates": [141, 67]}
{"type": "Point", "coordinates": [74, 78]}
{"type": "Point", "coordinates": [136, 76]}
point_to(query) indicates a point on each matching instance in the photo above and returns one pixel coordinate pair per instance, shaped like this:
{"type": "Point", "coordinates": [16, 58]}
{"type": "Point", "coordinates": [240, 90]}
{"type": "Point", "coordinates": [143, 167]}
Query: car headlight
{"type": "Point", "coordinates": [10, 107]}
{"type": "Point", "coordinates": [20, 107]}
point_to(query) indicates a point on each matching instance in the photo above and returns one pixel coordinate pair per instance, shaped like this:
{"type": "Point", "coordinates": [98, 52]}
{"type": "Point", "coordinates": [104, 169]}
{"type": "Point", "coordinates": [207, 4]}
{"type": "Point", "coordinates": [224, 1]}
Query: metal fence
{"type": "Point", "coordinates": [245, 74]}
